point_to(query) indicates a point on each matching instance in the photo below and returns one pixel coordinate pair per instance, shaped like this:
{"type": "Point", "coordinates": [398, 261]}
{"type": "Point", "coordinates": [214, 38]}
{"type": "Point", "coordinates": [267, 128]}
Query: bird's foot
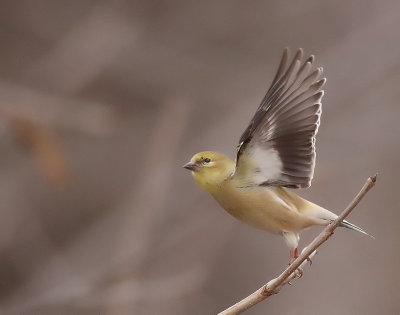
{"type": "Point", "coordinates": [294, 253]}
{"type": "Point", "coordinates": [299, 273]}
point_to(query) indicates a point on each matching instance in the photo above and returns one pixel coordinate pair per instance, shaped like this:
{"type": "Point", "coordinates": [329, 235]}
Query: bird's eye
{"type": "Point", "coordinates": [207, 160]}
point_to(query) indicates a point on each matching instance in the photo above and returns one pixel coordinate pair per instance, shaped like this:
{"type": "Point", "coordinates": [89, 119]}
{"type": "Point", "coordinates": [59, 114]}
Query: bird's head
{"type": "Point", "coordinates": [210, 169]}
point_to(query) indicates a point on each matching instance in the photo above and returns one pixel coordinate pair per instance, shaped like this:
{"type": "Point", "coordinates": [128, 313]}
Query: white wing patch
{"type": "Point", "coordinates": [268, 163]}
{"type": "Point", "coordinates": [258, 165]}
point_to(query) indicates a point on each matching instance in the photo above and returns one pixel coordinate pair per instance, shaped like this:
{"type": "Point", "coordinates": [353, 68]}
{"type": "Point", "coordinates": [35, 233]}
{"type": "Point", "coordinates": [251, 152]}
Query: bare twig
{"type": "Point", "coordinates": [274, 286]}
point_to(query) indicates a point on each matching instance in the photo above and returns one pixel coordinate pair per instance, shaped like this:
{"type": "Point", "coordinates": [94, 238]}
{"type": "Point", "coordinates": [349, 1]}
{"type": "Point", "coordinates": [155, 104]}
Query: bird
{"type": "Point", "coordinates": [276, 154]}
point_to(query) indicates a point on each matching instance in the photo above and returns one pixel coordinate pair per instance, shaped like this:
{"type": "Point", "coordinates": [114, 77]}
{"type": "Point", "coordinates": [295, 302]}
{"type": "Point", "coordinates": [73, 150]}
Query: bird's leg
{"type": "Point", "coordinates": [294, 253]}
{"type": "Point", "coordinates": [292, 241]}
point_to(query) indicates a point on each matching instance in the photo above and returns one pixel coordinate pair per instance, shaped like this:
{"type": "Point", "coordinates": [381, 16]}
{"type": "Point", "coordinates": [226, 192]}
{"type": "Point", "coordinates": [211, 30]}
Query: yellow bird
{"type": "Point", "coordinates": [275, 152]}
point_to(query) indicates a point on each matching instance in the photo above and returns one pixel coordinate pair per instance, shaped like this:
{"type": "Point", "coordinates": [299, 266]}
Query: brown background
{"type": "Point", "coordinates": [102, 102]}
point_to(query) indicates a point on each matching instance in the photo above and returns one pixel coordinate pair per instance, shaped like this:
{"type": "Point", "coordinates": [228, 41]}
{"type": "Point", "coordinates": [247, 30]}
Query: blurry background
{"type": "Point", "coordinates": [102, 102]}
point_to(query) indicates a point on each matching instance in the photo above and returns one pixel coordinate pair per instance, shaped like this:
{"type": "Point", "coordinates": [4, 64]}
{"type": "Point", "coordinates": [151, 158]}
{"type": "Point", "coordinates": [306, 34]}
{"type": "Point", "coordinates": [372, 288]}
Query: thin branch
{"type": "Point", "coordinates": [291, 272]}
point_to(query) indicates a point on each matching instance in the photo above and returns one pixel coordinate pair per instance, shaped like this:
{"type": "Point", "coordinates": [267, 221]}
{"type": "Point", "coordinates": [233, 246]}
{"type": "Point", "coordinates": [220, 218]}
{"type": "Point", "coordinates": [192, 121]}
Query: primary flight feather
{"type": "Point", "coordinates": [275, 152]}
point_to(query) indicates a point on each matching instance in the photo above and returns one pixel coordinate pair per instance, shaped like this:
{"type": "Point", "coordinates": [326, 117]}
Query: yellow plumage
{"type": "Point", "coordinates": [276, 151]}
{"type": "Point", "coordinates": [274, 209]}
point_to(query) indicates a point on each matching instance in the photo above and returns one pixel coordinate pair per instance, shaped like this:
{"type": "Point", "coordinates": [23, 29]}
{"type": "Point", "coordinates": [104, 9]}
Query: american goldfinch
{"type": "Point", "coordinates": [275, 152]}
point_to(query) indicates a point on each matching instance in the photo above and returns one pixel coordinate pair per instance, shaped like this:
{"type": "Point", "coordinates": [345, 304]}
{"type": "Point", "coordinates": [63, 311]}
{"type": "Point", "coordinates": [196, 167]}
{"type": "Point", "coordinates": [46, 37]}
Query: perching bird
{"type": "Point", "coordinates": [275, 152]}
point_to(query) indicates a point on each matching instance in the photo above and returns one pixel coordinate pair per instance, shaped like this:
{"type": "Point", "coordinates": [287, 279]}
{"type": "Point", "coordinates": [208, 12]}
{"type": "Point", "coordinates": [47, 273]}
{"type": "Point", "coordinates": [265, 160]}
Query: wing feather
{"type": "Point", "coordinates": [278, 146]}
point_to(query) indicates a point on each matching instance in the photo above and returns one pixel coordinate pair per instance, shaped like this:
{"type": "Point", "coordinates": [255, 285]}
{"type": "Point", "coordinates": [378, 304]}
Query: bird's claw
{"type": "Point", "coordinates": [299, 273]}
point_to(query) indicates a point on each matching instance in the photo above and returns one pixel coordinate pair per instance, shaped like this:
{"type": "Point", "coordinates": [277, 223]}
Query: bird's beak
{"type": "Point", "coordinates": [191, 166]}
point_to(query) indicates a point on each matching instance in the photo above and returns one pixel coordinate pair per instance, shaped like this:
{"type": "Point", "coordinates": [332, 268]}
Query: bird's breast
{"type": "Point", "coordinates": [261, 207]}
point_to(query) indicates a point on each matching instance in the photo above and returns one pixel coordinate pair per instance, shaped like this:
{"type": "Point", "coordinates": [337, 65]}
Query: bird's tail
{"type": "Point", "coordinates": [354, 227]}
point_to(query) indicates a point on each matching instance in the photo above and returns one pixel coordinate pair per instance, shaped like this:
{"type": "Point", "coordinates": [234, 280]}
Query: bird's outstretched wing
{"type": "Point", "coordinates": [278, 146]}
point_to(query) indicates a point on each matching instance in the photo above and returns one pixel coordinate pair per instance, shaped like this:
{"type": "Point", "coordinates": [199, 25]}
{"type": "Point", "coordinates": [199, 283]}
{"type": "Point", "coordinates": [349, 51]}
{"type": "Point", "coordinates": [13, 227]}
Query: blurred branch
{"type": "Point", "coordinates": [290, 273]}
{"type": "Point", "coordinates": [45, 146]}
{"type": "Point", "coordinates": [20, 102]}
{"type": "Point", "coordinates": [145, 207]}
